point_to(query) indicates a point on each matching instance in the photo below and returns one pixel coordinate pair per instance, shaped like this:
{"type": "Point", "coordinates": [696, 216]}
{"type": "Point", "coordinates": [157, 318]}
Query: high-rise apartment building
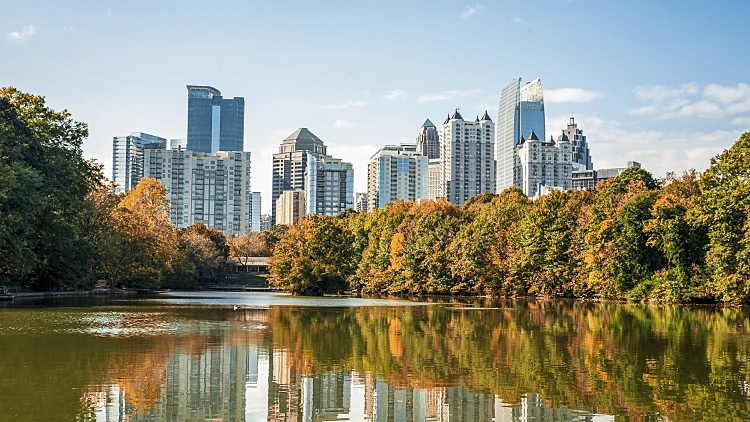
{"type": "Point", "coordinates": [360, 201]}
{"type": "Point", "coordinates": [521, 110]}
{"type": "Point", "coordinates": [204, 187]}
{"type": "Point", "coordinates": [215, 123]}
{"type": "Point", "coordinates": [428, 140]}
{"type": "Point", "coordinates": [178, 143]}
{"type": "Point", "coordinates": [581, 154]}
{"type": "Point", "coordinates": [467, 157]}
{"type": "Point", "coordinates": [290, 163]}
{"type": "Point", "coordinates": [396, 172]}
{"type": "Point", "coordinates": [255, 212]}
{"type": "Point", "coordinates": [539, 163]}
{"type": "Point", "coordinates": [265, 222]}
{"type": "Point", "coordinates": [290, 207]}
{"type": "Point", "coordinates": [329, 188]}
{"type": "Point", "coordinates": [434, 188]}
{"type": "Point", "coordinates": [127, 158]}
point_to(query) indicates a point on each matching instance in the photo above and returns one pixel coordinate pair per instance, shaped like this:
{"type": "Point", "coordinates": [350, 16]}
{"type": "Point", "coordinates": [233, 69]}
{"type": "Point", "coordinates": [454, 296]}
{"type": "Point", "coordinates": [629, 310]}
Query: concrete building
{"type": "Point", "coordinates": [215, 123]}
{"type": "Point", "coordinates": [204, 187]}
{"type": "Point", "coordinates": [428, 140]}
{"type": "Point", "coordinates": [521, 110]}
{"type": "Point", "coordinates": [396, 172]}
{"type": "Point", "coordinates": [360, 201]}
{"type": "Point", "coordinates": [255, 205]}
{"type": "Point", "coordinates": [467, 157]}
{"type": "Point", "coordinates": [580, 148]}
{"type": "Point", "coordinates": [127, 158]}
{"type": "Point", "coordinates": [290, 163]}
{"type": "Point", "coordinates": [539, 163]}
{"type": "Point", "coordinates": [588, 179]}
{"type": "Point", "coordinates": [265, 222]}
{"type": "Point", "coordinates": [434, 188]}
{"type": "Point", "coordinates": [178, 143]}
{"type": "Point", "coordinates": [290, 207]}
{"type": "Point", "coordinates": [329, 185]}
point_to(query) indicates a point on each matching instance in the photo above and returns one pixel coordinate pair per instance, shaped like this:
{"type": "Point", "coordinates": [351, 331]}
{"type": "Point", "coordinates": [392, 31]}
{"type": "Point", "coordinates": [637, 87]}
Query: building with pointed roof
{"type": "Point", "coordinates": [428, 140]}
{"type": "Point", "coordinates": [581, 153]}
{"type": "Point", "coordinates": [540, 166]}
{"type": "Point", "coordinates": [467, 157]}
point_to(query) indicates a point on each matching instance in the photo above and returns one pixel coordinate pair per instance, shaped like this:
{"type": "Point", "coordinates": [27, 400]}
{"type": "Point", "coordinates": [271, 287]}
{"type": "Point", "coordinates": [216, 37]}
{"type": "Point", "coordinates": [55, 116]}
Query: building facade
{"type": "Point", "coordinates": [521, 110]}
{"type": "Point", "coordinates": [290, 207]}
{"type": "Point", "coordinates": [255, 205]}
{"type": "Point", "coordinates": [434, 188]}
{"type": "Point", "coordinates": [329, 188]}
{"type": "Point", "coordinates": [542, 164]}
{"type": "Point", "coordinates": [215, 123]}
{"type": "Point", "coordinates": [360, 201]}
{"type": "Point", "coordinates": [428, 140]}
{"type": "Point", "coordinates": [581, 154]}
{"type": "Point", "coordinates": [467, 157]}
{"type": "Point", "coordinates": [210, 188]}
{"type": "Point", "coordinates": [290, 163]}
{"type": "Point", "coordinates": [396, 172]}
{"type": "Point", "coordinates": [265, 222]}
{"type": "Point", "coordinates": [128, 155]}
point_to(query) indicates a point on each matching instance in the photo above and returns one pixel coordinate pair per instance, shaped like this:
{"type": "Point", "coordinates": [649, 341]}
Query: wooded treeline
{"type": "Point", "coordinates": [62, 224]}
{"type": "Point", "coordinates": [681, 239]}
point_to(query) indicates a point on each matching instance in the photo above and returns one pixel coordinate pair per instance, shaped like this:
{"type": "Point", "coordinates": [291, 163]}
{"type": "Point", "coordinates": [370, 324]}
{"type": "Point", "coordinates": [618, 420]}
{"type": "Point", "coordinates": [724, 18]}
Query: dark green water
{"type": "Point", "coordinates": [194, 358]}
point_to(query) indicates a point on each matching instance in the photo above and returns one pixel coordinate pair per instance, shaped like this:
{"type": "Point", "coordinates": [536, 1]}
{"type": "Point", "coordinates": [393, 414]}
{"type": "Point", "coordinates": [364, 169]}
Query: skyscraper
{"type": "Point", "coordinates": [539, 163]}
{"type": "Point", "coordinates": [428, 140]}
{"type": "Point", "coordinates": [214, 123]}
{"type": "Point", "coordinates": [521, 110]}
{"type": "Point", "coordinates": [290, 207]}
{"type": "Point", "coordinates": [290, 163]}
{"type": "Point", "coordinates": [127, 158]}
{"type": "Point", "coordinates": [329, 188]}
{"type": "Point", "coordinates": [581, 154]}
{"type": "Point", "coordinates": [255, 205]}
{"type": "Point", "coordinates": [466, 157]}
{"type": "Point", "coordinates": [396, 172]}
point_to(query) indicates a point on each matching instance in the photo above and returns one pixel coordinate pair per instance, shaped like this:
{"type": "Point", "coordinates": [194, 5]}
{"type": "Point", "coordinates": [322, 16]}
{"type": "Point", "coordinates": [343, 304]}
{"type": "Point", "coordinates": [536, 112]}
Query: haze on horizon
{"type": "Point", "coordinates": [662, 83]}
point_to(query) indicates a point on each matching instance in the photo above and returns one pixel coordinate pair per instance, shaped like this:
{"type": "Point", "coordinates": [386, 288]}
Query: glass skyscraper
{"type": "Point", "coordinates": [215, 123]}
{"type": "Point", "coordinates": [521, 110]}
{"type": "Point", "coordinates": [127, 158]}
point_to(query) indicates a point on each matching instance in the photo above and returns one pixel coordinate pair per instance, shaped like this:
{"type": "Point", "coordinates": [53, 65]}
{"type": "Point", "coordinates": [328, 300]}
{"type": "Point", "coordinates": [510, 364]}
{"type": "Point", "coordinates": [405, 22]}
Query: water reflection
{"type": "Point", "coordinates": [519, 361]}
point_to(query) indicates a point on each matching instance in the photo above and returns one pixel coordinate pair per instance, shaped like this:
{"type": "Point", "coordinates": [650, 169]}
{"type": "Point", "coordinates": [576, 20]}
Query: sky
{"type": "Point", "coordinates": [665, 83]}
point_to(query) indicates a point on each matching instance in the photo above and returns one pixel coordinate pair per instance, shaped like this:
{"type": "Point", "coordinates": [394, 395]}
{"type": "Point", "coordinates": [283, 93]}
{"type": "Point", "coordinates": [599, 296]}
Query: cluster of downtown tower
{"type": "Point", "coordinates": [207, 175]}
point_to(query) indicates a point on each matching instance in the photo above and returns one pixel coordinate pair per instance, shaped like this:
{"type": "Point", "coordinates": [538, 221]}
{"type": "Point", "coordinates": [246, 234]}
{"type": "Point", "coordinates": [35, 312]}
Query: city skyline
{"type": "Point", "coordinates": [630, 91]}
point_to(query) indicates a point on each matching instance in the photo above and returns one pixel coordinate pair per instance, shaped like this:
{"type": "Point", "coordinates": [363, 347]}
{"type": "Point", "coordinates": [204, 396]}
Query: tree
{"type": "Point", "coordinates": [246, 246]}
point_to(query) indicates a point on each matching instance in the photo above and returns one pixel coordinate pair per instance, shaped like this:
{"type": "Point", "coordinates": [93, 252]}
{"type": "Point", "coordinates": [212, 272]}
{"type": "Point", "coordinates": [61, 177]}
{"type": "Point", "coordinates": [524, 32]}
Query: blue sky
{"type": "Point", "coordinates": [661, 82]}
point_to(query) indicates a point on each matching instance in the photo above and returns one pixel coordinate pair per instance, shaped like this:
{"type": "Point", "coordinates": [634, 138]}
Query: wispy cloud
{"type": "Point", "coordinates": [447, 95]}
{"type": "Point", "coordinates": [688, 100]}
{"type": "Point", "coordinates": [516, 19]}
{"type": "Point", "coordinates": [741, 121]}
{"type": "Point", "coordinates": [571, 95]}
{"type": "Point", "coordinates": [395, 95]}
{"type": "Point", "coordinates": [343, 124]}
{"type": "Point", "coordinates": [25, 33]}
{"type": "Point", "coordinates": [345, 105]}
{"type": "Point", "coordinates": [471, 11]}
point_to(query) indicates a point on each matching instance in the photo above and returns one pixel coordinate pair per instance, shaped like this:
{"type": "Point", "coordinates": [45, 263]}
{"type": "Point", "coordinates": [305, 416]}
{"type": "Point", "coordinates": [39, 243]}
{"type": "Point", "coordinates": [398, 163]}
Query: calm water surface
{"type": "Point", "coordinates": [192, 357]}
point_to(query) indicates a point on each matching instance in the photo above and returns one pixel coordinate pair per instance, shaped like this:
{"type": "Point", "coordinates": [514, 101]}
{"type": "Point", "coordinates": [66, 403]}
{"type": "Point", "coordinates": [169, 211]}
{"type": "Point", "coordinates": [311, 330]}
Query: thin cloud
{"type": "Point", "coordinates": [395, 95]}
{"type": "Point", "coordinates": [25, 33]}
{"type": "Point", "coordinates": [343, 124]}
{"type": "Point", "coordinates": [516, 19]}
{"type": "Point", "coordinates": [447, 95]}
{"type": "Point", "coordinates": [345, 105]}
{"type": "Point", "coordinates": [571, 95]}
{"type": "Point", "coordinates": [741, 121]}
{"type": "Point", "coordinates": [688, 100]}
{"type": "Point", "coordinates": [471, 11]}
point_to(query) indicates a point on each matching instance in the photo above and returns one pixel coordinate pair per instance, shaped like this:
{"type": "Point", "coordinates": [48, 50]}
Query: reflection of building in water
{"type": "Point", "coordinates": [284, 387]}
{"type": "Point", "coordinates": [531, 408]}
{"type": "Point", "coordinates": [326, 396]}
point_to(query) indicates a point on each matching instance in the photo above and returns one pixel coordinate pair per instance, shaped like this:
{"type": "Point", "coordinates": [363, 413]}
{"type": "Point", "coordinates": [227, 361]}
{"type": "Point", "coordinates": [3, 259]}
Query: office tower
{"type": "Point", "coordinates": [204, 187]}
{"type": "Point", "coordinates": [581, 154]}
{"type": "Point", "coordinates": [329, 188]}
{"type": "Point", "coordinates": [290, 207]}
{"type": "Point", "coordinates": [521, 110]}
{"type": "Point", "coordinates": [467, 157]}
{"type": "Point", "coordinates": [290, 163]}
{"type": "Point", "coordinates": [539, 163]}
{"type": "Point", "coordinates": [434, 188]}
{"type": "Point", "coordinates": [127, 158]}
{"type": "Point", "coordinates": [360, 201]}
{"type": "Point", "coordinates": [178, 143]}
{"type": "Point", "coordinates": [396, 172]}
{"type": "Point", "coordinates": [428, 140]}
{"type": "Point", "coordinates": [265, 222]}
{"type": "Point", "coordinates": [215, 123]}
{"type": "Point", "coordinates": [255, 212]}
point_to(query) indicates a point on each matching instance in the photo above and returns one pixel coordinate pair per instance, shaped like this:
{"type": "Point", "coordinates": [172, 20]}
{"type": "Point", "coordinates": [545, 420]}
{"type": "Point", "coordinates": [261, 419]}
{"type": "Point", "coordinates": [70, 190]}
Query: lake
{"type": "Point", "coordinates": [194, 357]}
